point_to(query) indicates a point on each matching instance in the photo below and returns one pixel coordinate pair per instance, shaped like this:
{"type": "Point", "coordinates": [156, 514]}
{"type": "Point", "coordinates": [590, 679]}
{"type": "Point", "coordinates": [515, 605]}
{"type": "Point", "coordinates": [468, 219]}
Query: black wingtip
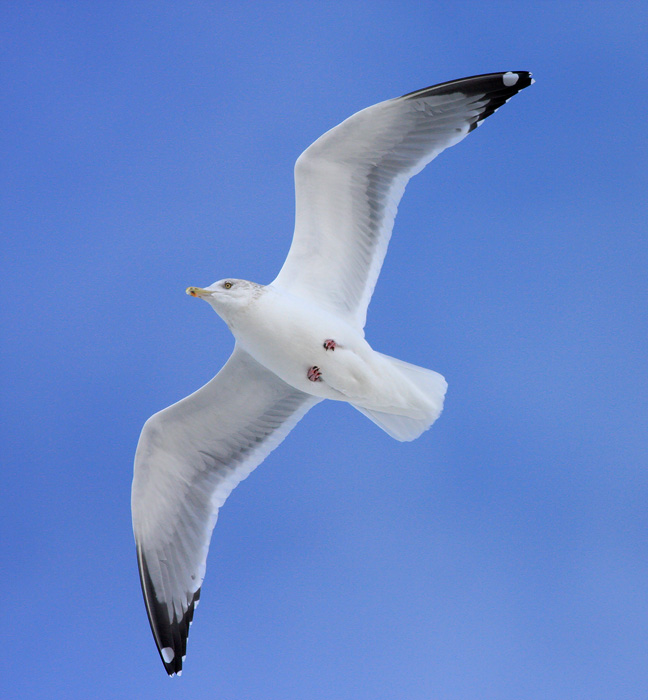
{"type": "Point", "coordinates": [170, 635]}
{"type": "Point", "coordinates": [498, 88]}
{"type": "Point", "coordinates": [512, 81]}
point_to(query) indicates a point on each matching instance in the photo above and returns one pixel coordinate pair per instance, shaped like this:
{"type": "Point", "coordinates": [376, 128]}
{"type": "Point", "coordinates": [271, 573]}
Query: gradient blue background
{"type": "Point", "coordinates": [148, 146]}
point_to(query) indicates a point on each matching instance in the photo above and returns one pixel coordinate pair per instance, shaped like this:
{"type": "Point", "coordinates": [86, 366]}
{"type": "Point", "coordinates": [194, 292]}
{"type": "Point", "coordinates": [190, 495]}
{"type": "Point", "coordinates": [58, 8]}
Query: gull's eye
{"type": "Point", "coordinates": [227, 285]}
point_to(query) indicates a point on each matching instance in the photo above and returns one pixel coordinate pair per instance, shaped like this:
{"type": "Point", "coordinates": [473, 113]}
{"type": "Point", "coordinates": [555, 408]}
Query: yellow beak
{"type": "Point", "coordinates": [198, 292]}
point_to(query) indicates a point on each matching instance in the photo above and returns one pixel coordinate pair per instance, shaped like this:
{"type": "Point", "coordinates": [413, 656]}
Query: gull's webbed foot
{"type": "Point", "coordinates": [329, 344]}
{"type": "Point", "coordinates": [314, 374]}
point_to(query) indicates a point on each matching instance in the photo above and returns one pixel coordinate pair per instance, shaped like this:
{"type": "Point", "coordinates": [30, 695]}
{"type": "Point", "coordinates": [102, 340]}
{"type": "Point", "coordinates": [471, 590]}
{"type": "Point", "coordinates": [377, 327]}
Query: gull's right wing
{"type": "Point", "coordinates": [189, 458]}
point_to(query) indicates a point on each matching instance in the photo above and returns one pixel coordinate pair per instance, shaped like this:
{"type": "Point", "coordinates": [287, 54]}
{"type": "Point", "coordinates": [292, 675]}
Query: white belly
{"type": "Point", "coordinates": [287, 336]}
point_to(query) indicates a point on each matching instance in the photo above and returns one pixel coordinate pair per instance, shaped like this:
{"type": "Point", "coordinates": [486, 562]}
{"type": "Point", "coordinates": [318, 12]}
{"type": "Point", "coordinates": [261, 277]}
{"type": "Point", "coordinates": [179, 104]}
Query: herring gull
{"type": "Point", "coordinates": [299, 339]}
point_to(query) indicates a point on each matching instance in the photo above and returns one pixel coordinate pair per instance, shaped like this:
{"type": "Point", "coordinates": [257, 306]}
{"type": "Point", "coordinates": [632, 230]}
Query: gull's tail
{"type": "Point", "coordinates": [405, 428]}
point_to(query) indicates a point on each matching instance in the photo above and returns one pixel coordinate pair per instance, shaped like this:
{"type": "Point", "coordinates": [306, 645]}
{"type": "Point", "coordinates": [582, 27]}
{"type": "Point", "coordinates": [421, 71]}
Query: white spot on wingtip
{"type": "Point", "coordinates": [179, 673]}
{"type": "Point", "coordinates": [167, 654]}
{"type": "Point", "coordinates": [510, 79]}
{"type": "Point", "coordinates": [196, 603]}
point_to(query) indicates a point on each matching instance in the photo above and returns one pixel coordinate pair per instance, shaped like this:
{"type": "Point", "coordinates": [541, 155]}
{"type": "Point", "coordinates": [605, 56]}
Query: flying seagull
{"type": "Point", "coordinates": [299, 339]}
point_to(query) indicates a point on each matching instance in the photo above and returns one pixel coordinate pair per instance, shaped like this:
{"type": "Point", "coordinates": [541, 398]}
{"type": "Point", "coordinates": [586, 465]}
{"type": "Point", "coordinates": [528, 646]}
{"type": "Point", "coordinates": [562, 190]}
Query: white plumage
{"type": "Point", "coordinates": [298, 340]}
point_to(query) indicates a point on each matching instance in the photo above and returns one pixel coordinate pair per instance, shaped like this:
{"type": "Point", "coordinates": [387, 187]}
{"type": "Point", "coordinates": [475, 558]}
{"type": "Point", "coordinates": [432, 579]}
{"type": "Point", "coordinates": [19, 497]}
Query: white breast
{"type": "Point", "coordinates": [286, 334]}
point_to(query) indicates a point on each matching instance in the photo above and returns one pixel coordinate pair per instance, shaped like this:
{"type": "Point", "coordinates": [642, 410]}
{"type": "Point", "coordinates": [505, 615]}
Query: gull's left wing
{"type": "Point", "coordinates": [349, 182]}
{"type": "Point", "coordinates": [189, 458]}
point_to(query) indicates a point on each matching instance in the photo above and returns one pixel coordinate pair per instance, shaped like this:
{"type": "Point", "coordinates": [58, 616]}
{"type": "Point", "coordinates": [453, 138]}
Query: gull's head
{"type": "Point", "coordinates": [228, 296]}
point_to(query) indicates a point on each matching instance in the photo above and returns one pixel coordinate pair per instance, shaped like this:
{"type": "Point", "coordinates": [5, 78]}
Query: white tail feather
{"type": "Point", "coordinates": [404, 428]}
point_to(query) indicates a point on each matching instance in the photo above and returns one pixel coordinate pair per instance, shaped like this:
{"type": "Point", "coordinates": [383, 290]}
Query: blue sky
{"type": "Point", "coordinates": [504, 554]}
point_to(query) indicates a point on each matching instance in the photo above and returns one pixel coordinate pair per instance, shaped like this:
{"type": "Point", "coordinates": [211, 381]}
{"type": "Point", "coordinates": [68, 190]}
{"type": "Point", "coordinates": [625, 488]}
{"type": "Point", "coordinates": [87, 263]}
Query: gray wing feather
{"type": "Point", "coordinates": [349, 182]}
{"type": "Point", "coordinates": [189, 458]}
